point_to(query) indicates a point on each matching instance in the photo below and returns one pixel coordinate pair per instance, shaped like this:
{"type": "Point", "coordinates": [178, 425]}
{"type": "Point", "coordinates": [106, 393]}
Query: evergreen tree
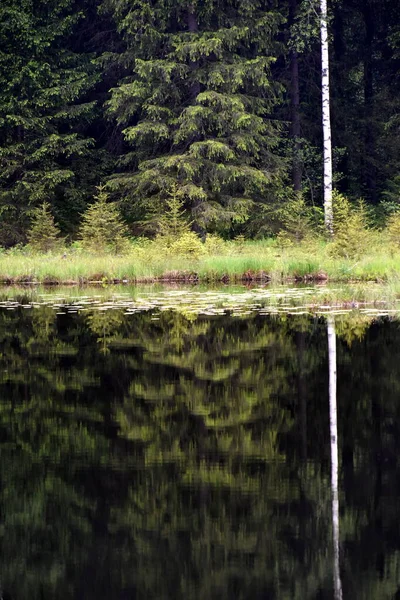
{"type": "Point", "coordinates": [102, 229]}
{"type": "Point", "coordinates": [172, 223]}
{"type": "Point", "coordinates": [43, 234]}
{"type": "Point", "coordinates": [197, 108]}
{"type": "Point", "coordinates": [43, 109]}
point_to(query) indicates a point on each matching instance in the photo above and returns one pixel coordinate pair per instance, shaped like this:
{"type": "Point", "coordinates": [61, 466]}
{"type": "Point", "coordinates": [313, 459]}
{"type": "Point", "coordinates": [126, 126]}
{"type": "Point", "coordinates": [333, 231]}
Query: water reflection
{"type": "Point", "coordinates": [332, 357]}
{"type": "Point", "coordinates": [170, 455]}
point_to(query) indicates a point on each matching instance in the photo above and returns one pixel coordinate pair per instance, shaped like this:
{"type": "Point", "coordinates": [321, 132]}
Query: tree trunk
{"type": "Point", "coordinates": [369, 155]}
{"type": "Point", "coordinates": [297, 170]}
{"type": "Point", "coordinates": [326, 119]}
{"type": "Point", "coordinates": [337, 584]}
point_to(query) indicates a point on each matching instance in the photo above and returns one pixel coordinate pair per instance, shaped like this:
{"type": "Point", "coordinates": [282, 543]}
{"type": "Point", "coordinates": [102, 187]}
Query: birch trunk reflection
{"type": "Point", "coordinates": [334, 456]}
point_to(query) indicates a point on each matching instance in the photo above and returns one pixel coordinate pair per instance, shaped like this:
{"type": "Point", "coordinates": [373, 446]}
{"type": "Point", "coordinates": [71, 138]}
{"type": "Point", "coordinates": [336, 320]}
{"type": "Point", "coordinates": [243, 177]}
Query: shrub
{"type": "Point", "coordinates": [297, 220]}
{"type": "Point", "coordinates": [393, 229]}
{"type": "Point", "coordinates": [173, 224]}
{"type": "Point", "coordinates": [43, 235]}
{"type": "Point", "coordinates": [350, 227]}
{"type": "Point", "coordinates": [214, 244]}
{"type": "Point", "coordinates": [284, 239]}
{"type": "Point", "coordinates": [342, 211]}
{"type": "Point", "coordinates": [188, 244]}
{"type": "Point", "coordinates": [175, 236]}
{"type": "Point", "coordinates": [102, 229]}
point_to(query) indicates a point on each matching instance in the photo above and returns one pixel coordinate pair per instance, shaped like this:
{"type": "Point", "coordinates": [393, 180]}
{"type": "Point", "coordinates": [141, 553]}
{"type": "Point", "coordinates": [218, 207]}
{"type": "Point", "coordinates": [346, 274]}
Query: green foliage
{"type": "Point", "coordinates": [305, 27]}
{"type": "Point", "coordinates": [214, 244]}
{"type": "Point", "coordinates": [175, 236]}
{"type": "Point", "coordinates": [102, 228]}
{"type": "Point", "coordinates": [390, 204]}
{"type": "Point", "coordinates": [44, 112]}
{"type": "Point", "coordinates": [43, 234]}
{"type": "Point", "coordinates": [197, 106]}
{"type": "Point", "coordinates": [393, 229]}
{"type": "Point", "coordinates": [187, 244]}
{"type": "Point", "coordinates": [350, 223]}
{"type": "Point", "coordinates": [172, 223]}
{"type": "Point", "coordinates": [342, 210]}
{"type": "Point", "coordinates": [296, 219]}
{"type": "Point", "coordinates": [148, 95]}
{"type": "Point", "coordinates": [392, 194]}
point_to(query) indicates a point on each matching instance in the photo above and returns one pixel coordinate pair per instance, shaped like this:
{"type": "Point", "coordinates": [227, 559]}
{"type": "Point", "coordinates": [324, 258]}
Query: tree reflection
{"type": "Point", "coordinates": [334, 454]}
{"type": "Point", "coordinates": [190, 458]}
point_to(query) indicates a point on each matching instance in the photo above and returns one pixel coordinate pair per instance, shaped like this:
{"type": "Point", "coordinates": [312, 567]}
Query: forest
{"type": "Point", "coordinates": [215, 103]}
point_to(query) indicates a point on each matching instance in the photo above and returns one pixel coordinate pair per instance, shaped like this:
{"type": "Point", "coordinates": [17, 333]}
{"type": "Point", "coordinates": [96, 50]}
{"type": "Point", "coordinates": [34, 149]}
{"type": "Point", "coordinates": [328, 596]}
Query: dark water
{"type": "Point", "coordinates": [169, 456]}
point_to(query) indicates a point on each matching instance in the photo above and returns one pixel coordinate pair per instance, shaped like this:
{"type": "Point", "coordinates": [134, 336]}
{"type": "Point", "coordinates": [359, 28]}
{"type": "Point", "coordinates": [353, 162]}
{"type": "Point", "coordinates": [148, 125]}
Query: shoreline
{"type": "Point", "coordinates": [252, 262]}
{"type": "Point", "coordinates": [182, 277]}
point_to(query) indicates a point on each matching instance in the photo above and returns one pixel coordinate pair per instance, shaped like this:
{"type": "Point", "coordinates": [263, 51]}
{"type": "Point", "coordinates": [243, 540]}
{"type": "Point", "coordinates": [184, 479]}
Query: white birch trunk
{"type": "Point", "coordinates": [326, 119]}
{"type": "Point", "coordinates": [337, 584]}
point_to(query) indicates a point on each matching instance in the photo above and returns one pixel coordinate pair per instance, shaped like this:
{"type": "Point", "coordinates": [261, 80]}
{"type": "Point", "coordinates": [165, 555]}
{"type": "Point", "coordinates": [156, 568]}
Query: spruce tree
{"type": "Point", "coordinates": [172, 223]}
{"type": "Point", "coordinates": [43, 234]}
{"type": "Point", "coordinates": [197, 108]}
{"type": "Point", "coordinates": [44, 111]}
{"type": "Point", "coordinates": [102, 229]}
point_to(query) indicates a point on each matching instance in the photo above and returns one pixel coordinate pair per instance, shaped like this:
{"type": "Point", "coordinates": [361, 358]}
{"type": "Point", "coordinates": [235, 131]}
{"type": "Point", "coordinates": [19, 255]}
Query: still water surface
{"type": "Point", "coordinates": [169, 447]}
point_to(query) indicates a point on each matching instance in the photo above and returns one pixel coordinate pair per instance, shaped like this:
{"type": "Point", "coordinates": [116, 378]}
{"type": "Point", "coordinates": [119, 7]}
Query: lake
{"type": "Point", "coordinates": [193, 444]}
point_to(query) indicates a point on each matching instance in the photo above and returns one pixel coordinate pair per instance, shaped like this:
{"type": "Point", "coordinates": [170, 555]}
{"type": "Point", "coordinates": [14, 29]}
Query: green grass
{"type": "Point", "coordinates": [215, 261]}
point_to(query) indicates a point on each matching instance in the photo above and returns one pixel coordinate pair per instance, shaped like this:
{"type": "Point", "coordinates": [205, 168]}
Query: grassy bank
{"type": "Point", "coordinates": [218, 261]}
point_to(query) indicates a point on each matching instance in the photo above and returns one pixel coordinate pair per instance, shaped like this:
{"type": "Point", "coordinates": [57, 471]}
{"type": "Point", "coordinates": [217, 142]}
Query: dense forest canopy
{"type": "Point", "coordinates": [219, 100]}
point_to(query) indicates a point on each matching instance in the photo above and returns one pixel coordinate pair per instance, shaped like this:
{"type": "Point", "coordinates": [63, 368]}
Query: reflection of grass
{"type": "Point", "coordinates": [229, 261]}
